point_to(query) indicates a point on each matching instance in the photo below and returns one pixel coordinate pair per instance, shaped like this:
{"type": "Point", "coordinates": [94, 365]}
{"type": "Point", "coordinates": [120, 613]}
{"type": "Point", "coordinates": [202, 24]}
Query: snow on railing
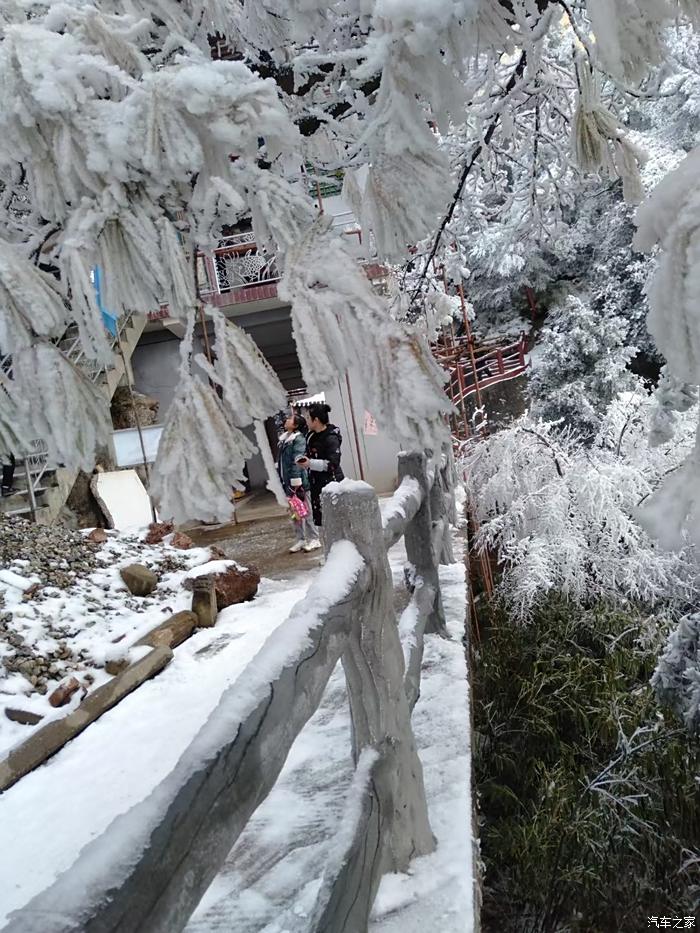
{"type": "Point", "coordinates": [153, 865]}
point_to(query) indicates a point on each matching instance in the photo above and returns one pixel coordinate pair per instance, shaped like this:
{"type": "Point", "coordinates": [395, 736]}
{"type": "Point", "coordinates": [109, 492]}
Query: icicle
{"type": "Point", "coordinates": [213, 201]}
{"type": "Point", "coordinates": [598, 141]}
{"type": "Point", "coordinates": [61, 406]}
{"type": "Point", "coordinates": [672, 396]}
{"type": "Point", "coordinates": [129, 254]}
{"type": "Point", "coordinates": [402, 386]}
{"type": "Point", "coordinates": [409, 177]}
{"type": "Point", "coordinates": [114, 36]}
{"type": "Point", "coordinates": [280, 212]}
{"type": "Point", "coordinates": [318, 283]}
{"type": "Point", "coordinates": [273, 480]}
{"type": "Point", "coordinates": [669, 217]}
{"type": "Point", "coordinates": [672, 513]}
{"type": "Point", "coordinates": [201, 454]}
{"type": "Point", "coordinates": [629, 34]}
{"type": "Point", "coordinates": [176, 271]}
{"type": "Point", "coordinates": [77, 270]}
{"type": "Point", "coordinates": [201, 457]}
{"type": "Point", "coordinates": [15, 434]}
{"type": "Point", "coordinates": [334, 311]}
{"type": "Point", "coordinates": [30, 301]}
{"type": "Point", "coordinates": [676, 680]}
{"type": "Point", "coordinates": [252, 391]}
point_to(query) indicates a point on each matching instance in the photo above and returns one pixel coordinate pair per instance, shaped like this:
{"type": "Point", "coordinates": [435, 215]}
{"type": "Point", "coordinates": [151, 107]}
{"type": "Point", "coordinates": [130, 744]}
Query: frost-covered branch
{"type": "Point", "coordinates": [576, 532]}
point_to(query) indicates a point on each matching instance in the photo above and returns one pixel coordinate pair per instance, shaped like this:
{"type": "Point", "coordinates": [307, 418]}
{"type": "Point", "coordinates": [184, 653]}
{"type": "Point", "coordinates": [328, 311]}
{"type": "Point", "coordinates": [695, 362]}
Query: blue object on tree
{"type": "Point", "coordinates": [109, 319]}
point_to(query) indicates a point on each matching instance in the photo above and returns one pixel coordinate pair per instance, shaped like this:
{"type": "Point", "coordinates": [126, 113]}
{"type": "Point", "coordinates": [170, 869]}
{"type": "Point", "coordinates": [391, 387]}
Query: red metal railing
{"type": "Point", "coordinates": [471, 369]}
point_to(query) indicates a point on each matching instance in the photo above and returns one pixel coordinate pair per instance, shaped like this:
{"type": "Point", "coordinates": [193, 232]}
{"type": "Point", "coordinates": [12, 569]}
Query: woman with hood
{"type": "Point", "coordinates": [322, 460]}
{"type": "Point", "coordinates": [294, 479]}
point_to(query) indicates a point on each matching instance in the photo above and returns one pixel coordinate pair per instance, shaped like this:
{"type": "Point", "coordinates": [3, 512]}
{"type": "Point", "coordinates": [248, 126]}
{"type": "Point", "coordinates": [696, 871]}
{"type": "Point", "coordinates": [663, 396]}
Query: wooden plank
{"type": "Point", "coordinates": [46, 741]}
{"type": "Point", "coordinates": [172, 632]}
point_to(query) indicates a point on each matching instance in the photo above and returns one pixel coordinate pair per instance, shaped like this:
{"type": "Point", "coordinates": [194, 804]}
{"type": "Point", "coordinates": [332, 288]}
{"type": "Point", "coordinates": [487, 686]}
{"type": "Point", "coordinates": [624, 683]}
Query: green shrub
{"type": "Point", "coordinates": [588, 791]}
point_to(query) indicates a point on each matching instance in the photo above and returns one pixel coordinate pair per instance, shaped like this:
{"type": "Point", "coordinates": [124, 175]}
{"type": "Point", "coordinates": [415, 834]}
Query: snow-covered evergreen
{"type": "Point", "coordinates": [582, 365]}
{"type": "Point", "coordinates": [563, 517]}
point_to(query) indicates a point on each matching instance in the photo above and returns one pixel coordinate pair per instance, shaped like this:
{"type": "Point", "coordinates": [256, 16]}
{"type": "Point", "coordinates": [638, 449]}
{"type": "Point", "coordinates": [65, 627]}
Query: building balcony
{"type": "Point", "coordinates": [238, 272]}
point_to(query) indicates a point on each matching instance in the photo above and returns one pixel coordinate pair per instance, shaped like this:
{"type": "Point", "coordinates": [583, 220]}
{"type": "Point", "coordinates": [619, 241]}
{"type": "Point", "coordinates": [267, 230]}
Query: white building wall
{"type": "Point", "coordinates": [372, 457]}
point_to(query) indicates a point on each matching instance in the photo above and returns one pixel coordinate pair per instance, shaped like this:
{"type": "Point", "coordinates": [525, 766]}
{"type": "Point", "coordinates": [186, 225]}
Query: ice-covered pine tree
{"type": "Point", "coordinates": [581, 365]}
{"type": "Point", "coordinates": [123, 145]}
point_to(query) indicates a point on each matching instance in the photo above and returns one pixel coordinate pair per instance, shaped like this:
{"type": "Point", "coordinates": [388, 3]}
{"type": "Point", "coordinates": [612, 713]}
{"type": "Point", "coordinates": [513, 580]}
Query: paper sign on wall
{"type": "Point", "coordinates": [370, 424]}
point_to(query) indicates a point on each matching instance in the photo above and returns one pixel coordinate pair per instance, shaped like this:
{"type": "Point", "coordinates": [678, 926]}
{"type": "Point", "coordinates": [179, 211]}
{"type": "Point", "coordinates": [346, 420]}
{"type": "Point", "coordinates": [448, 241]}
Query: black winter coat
{"type": "Point", "coordinates": [323, 445]}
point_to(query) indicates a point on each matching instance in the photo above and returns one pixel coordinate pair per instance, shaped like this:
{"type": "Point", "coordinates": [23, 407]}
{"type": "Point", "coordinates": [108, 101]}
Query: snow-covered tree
{"type": "Point", "coordinates": [677, 676]}
{"type": "Point", "coordinates": [581, 365]}
{"type": "Point", "coordinates": [124, 146]}
{"type": "Point", "coordinates": [563, 518]}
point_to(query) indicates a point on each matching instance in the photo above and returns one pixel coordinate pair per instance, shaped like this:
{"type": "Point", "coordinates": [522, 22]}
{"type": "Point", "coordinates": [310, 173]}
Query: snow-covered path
{"type": "Point", "coordinates": [277, 863]}
{"type": "Point", "coordinates": [47, 818]}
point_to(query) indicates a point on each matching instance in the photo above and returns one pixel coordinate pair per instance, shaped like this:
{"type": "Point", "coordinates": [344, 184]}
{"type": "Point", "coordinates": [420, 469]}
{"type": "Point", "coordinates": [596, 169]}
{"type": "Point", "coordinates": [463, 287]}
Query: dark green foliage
{"type": "Point", "coordinates": [588, 792]}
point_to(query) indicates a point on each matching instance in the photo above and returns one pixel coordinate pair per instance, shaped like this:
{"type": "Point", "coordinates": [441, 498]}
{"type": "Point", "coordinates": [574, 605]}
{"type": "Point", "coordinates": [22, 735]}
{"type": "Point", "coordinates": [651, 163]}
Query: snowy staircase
{"type": "Point", "coordinates": [41, 492]}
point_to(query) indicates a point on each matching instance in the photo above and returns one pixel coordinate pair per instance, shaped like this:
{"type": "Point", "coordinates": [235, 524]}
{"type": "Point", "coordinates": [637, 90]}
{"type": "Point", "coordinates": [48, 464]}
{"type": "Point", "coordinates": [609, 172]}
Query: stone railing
{"type": "Point", "coordinates": [149, 870]}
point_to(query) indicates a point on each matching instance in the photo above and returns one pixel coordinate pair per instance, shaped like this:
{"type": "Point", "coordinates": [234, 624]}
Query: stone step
{"type": "Point", "coordinates": [42, 514]}
{"type": "Point", "coordinates": [20, 500]}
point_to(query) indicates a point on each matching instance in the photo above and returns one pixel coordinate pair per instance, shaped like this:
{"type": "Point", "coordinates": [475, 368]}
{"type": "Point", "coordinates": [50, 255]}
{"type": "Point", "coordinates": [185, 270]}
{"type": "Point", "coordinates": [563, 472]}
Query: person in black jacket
{"type": "Point", "coordinates": [8, 474]}
{"type": "Point", "coordinates": [322, 460]}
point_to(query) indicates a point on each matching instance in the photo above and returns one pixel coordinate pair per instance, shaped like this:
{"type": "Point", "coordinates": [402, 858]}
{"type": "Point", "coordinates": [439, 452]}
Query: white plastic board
{"type": "Point", "coordinates": [123, 499]}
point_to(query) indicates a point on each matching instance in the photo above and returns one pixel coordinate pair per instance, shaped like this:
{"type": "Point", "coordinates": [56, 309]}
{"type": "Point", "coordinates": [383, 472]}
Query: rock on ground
{"type": "Point", "coordinates": [139, 579]}
{"type": "Point", "coordinates": [235, 585]}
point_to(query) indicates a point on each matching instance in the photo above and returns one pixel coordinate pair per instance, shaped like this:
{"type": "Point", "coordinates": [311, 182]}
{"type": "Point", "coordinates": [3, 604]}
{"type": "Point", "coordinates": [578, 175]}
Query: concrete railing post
{"type": "Point", "coordinates": [419, 540]}
{"type": "Point", "coordinates": [374, 667]}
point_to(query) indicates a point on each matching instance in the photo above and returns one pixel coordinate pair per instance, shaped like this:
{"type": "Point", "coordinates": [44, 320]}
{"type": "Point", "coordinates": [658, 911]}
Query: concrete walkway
{"type": "Point", "coordinates": [265, 544]}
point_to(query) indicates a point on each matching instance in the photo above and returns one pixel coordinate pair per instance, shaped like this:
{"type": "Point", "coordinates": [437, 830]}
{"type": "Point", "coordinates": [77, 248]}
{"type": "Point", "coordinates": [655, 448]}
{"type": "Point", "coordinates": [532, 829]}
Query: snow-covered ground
{"type": "Point", "coordinates": [52, 813]}
{"type": "Point", "coordinates": [75, 630]}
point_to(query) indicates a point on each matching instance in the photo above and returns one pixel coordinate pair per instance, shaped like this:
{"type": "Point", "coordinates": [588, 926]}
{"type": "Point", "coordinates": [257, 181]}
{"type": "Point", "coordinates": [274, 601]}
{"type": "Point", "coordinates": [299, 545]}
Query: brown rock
{"type": "Point", "coordinates": [64, 692]}
{"type": "Point", "coordinates": [216, 553]}
{"type": "Point", "coordinates": [98, 536]}
{"type": "Point", "coordinates": [232, 586]}
{"type": "Point", "coordinates": [182, 541]}
{"type": "Point", "coordinates": [22, 716]}
{"type": "Point", "coordinates": [157, 531]}
{"type": "Point", "coordinates": [116, 665]}
{"type": "Point", "coordinates": [123, 404]}
{"type": "Point", "coordinates": [139, 579]}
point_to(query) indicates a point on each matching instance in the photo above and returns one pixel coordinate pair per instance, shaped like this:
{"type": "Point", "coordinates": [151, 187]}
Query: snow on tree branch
{"type": "Point", "coordinates": [562, 518]}
{"type": "Point", "coordinates": [250, 387]}
{"type": "Point", "coordinates": [124, 146]}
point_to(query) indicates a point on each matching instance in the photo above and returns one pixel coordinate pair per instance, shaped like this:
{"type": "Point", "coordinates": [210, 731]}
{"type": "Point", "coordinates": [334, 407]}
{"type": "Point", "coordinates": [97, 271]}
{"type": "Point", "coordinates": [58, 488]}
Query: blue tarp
{"type": "Point", "coordinates": [110, 319]}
